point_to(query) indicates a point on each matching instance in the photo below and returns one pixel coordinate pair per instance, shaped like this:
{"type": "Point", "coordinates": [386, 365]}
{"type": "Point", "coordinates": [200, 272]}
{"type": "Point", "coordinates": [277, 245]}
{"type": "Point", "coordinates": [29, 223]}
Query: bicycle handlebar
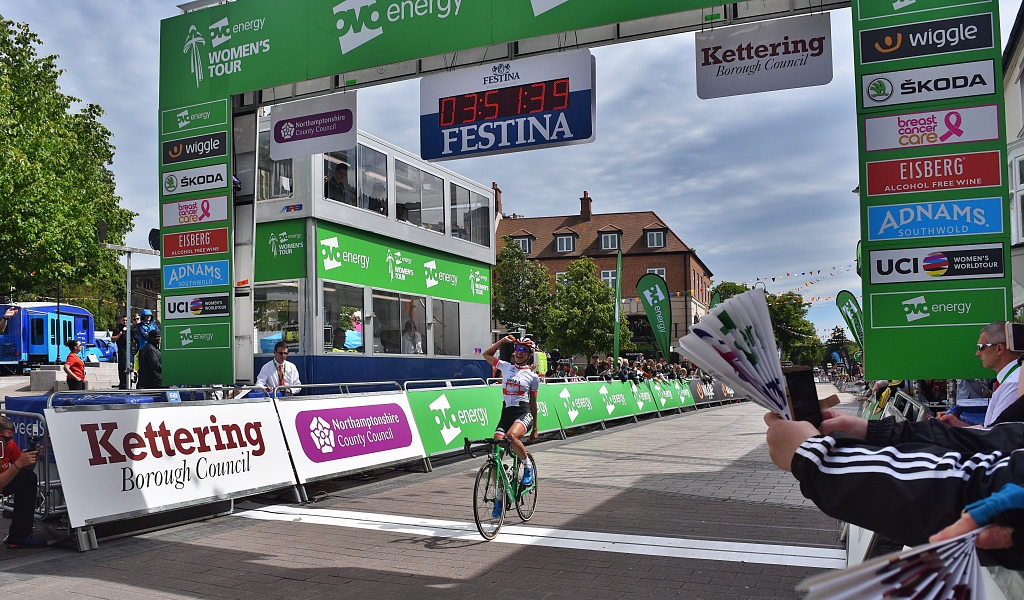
{"type": "Point", "coordinates": [467, 448]}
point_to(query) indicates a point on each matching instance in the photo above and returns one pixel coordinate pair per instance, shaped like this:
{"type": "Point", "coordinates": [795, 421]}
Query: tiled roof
{"type": "Point", "coordinates": [632, 225]}
{"type": "Point", "coordinates": [564, 230]}
{"type": "Point", "coordinates": [610, 228]}
{"type": "Point", "coordinates": [521, 233]}
{"type": "Point", "coordinates": [656, 225]}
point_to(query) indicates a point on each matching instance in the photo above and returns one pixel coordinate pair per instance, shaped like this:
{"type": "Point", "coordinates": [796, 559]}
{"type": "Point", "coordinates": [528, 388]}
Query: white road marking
{"type": "Point", "coordinates": [767, 554]}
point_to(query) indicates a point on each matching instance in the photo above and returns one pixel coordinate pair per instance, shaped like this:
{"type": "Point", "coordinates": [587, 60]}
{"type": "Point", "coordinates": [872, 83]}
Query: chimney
{"type": "Point", "coordinates": [585, 206]}
{"type": "Point", "coordinates": [497, 197]}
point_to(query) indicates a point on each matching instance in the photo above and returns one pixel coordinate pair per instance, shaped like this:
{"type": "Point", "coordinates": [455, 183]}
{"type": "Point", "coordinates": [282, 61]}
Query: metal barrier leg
{"type": "Point", "coordinates": [427, 468]}
{"type": "Point", "coordinates": [86, 539]}
{"type": "Point", "coordinates": [562, 433]}
{"type": "Point", "coordinates": [299, 494]}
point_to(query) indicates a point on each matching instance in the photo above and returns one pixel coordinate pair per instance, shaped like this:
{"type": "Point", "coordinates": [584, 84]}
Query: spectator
{"type": "Point", "coordinates": [8, 315]}
{"type": "Point", "coordinates": [151, 364]}
{"type": "Point", "coordinates": [338, 186]}
{"type": "Point", "coordinates": [18, 480]}
{"type": "Point", "coordinates": [412, 342]}
{"type": "Point", "coordinates": [121, 337]}
{"type": "Point", "coordinates": [146, 328]}
{"type": "Point", "coordinates": [74, 368]}
{"type": "Point", "coordinates": [279, 371]}
{"type": "Point", "coordinates": [592, 368]}
{"type": "Point", "coordinates": [967, 389]}
{"type": "Point", "coordinates": [995, 355]}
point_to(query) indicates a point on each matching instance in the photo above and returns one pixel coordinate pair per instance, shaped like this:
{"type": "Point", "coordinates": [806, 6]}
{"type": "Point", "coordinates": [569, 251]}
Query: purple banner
{"type": "Point", "coordinates": [337, 433]}
{"type": "Point", "coordinates": [308, 127]}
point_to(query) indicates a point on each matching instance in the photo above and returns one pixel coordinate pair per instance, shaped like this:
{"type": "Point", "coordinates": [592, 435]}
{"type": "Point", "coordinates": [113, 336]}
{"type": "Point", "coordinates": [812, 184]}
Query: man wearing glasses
{"type": "Point", "coordinates": [279, 371]}
{"type": "Point", "coordinates": [995, 355]}
{"type": "Point", "coordinates": [17, 479]}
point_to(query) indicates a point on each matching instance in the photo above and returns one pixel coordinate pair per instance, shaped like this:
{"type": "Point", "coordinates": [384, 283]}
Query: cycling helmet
{"type": "Point", "coordinates": [146, 312]}
{"type": "Point", "coordinates": [526, 343]}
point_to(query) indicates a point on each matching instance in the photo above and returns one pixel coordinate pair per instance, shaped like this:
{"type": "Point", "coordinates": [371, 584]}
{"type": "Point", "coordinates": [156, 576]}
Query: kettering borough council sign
{"type": "Point", "coordinates": [761, 57]}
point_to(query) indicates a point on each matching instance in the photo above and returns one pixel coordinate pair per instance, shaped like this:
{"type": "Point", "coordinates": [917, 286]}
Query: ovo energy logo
{"type": "Point", "coordinates": [915, 309]}
{"type": "Point", "coordinates": [654, 295]}
{"type": "Point", "coordinates": [360, 21]}
{"type": "Point", "coordinates": [450, 421]}
{"type": "Point", "coordinates": [335, 257]}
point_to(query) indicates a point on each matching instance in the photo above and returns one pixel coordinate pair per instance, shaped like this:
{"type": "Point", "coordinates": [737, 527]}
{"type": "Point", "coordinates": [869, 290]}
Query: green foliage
{"type": "Point", "coordinates": [792, 330]}
{"type": "Point", "coordinates": [728, 289]}
{"type": "Point", "coordinates": [582, 317]}
{"type": "Point", "coordinates": [54, 181]}
{"type": "Point", "coordinates": [521, 291]}
{"type": "Point", "coordinates": [836, 342]}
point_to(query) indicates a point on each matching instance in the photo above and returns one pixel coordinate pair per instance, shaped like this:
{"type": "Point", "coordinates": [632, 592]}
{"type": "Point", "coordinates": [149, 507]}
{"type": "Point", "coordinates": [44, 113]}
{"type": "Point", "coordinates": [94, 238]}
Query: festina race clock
{"type": "Point", "coordinates": [509, 106]}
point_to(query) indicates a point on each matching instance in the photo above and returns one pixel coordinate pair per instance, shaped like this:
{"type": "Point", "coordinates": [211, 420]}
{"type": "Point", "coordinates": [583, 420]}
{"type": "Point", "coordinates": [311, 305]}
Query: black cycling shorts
{"type": "Point", "coordinates": [510, 415]}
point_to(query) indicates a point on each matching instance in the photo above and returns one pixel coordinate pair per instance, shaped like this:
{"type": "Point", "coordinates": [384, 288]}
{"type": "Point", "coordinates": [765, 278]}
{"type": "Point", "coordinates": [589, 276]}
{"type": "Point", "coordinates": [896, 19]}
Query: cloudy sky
{"type": "Point", "coordinates": [759, 185]}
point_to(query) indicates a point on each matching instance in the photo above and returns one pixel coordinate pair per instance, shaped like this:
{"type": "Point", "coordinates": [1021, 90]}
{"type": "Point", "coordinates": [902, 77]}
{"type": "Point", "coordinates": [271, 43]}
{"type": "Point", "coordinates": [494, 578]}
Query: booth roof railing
{"type": "Point", "coordinates": [215, 392]}
{"type": "Point", "coordinates": [343, 388]}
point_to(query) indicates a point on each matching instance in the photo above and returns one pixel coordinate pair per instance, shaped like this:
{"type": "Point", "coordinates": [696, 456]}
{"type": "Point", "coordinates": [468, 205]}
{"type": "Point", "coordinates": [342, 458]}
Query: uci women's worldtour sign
{"type": "Point", "coordinates": [761, 57]}
{"type": "Point", "coordinates": [934, 208]}
{"type": "Point", "coordinates": [507, 107]}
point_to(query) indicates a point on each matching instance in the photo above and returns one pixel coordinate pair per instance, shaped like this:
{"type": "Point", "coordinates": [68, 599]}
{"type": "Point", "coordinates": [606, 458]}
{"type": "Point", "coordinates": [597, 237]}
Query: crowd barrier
{"type": "Point", "coordinates": [117, 456]}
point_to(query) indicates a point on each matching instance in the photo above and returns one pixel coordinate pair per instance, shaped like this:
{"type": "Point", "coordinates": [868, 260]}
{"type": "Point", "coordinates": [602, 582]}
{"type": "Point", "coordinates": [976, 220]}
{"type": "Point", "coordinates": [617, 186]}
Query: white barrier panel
{"type": "Point", "coordinates": [121, 461]}
{"type": "Point", "coordinates": [334, 435]}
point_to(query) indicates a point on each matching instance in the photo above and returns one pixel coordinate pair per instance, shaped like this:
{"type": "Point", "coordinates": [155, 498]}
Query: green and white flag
{"type": "Point", "coordinates": [850, 308]}
{"type": "Point", "coordinates": [654, 296]}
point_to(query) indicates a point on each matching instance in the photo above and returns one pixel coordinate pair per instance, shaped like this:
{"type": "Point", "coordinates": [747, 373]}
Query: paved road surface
{"type": "Point", "coordinates": [685, 506]}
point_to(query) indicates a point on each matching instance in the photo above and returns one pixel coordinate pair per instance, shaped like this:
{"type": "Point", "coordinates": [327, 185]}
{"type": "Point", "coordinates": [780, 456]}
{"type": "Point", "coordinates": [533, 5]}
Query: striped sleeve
{"type": "Point", "coordinates": [905, 492]}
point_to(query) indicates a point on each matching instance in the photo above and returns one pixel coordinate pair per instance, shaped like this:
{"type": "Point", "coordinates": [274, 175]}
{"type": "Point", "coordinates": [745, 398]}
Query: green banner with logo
{"type": "Point", "coordinates": [644, 398]}
{"type": "Point", "coordinates": [196, 354]}
{"type": "Point", "coordinates": [850, 307]}
{"type": "Point", "coordinates": [353, 256]}
{"type": "Point", "coordinates": [281, 250]}
{"type": "Point", "coordinates": [590, 402]}
{"type": "Point", "coordinates": [935, 220]}
{"type": "Point", "coordinates": [666, 394]}
{"type": "Point", "coordinates": [654, 296]}
{"type": "Point", "coordinates": [683, 388]}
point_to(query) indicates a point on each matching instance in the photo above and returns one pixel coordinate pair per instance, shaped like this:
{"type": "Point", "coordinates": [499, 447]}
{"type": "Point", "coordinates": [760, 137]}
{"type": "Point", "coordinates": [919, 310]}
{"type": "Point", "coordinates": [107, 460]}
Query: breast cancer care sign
{"type": "Point", "coordinates": [129, 460]}
{"type": "Point", "coordinates": [331, 436]}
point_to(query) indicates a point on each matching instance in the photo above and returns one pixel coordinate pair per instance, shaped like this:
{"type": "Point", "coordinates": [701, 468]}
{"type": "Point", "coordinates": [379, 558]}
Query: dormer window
{"type": "Point", "coordinates": [524, 243]}
{"type": "Point", "coordinates": [656, 239]}
{"type": "Point", "coordinates": [609, 241]}
{"type": "Point", "coordinates": [565, 243]}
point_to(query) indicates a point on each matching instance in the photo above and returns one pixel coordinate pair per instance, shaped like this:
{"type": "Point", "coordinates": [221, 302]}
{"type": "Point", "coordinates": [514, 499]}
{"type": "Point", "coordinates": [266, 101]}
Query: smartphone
{"type": "Point", "coordinates": [1015, 337]}
{"type": "Point", "coordinates": [802, 395]}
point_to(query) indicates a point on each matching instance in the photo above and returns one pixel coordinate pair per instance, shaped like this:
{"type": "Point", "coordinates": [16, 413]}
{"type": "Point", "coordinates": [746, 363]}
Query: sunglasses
{"type": "Point", "coordinates": [983, 346]}
{"type": "Point", "coordinates": [522, 349]}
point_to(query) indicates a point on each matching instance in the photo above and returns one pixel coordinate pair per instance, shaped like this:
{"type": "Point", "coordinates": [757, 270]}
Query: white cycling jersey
{"type": "Point", "coordinates": [517, 382]}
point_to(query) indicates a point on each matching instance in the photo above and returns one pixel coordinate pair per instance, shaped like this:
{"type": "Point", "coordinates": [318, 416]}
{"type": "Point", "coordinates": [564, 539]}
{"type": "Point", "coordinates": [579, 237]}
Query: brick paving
{"type": "Point", "coordinates": [699, 475]}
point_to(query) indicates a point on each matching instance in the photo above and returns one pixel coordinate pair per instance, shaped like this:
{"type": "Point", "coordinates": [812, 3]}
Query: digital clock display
{"type": "Point", "coordinates": [530, 98]}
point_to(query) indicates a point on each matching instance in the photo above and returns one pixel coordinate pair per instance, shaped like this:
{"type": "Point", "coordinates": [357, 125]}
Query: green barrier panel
{"type": "Point", "coordinates": [643, 398]}
{"type": "Point", "coordinates": [684, 392]}
{"type": "Point", "coordinates": [618, 399]}
{"type": "Point", "coordinates": [445, 416]}
{"type": "Point", "coordinates": [667, 394]}
{"type": "Point", "coordinates": [588, 402]}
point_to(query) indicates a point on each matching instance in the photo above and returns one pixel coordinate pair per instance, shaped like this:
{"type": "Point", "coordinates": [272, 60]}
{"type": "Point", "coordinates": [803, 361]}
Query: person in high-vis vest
{"type": "Point", "coordinates": [279, 371]}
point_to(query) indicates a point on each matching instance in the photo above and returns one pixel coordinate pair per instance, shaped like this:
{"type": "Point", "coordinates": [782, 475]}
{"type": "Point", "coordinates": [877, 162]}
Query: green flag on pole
{"type": "Point", "coordinates": [716, 299]}
{"type": "Point", "coordinates": [850, 308]}
{"type": "Point", "coordinates": [654, 296]}
{"type": "Point", "coordinates": [618, 304]}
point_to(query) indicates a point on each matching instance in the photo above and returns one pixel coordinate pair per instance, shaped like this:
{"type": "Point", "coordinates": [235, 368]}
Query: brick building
{"type": "Point", "coordinates": [648, 245]}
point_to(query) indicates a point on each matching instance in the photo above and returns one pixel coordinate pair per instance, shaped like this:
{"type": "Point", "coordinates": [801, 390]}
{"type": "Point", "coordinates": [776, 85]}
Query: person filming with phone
{"type": "Point", "coordinates": [18, 480]}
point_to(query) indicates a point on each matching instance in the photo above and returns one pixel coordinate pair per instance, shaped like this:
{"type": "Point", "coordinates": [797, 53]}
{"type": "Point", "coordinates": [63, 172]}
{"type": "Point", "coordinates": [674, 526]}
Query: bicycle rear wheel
{"type": "Point", "coordinates": [488, 509]}
{"type": "Point", "coordinates": [527, 501]}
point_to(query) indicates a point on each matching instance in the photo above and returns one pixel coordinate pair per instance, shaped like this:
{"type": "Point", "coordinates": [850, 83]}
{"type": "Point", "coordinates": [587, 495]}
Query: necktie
{"type": "Point", "coordinates": [280, 373]}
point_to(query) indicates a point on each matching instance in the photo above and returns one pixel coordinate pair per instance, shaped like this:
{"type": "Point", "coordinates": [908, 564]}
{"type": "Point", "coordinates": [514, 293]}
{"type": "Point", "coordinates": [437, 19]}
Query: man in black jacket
{"type": "Point", "coordinates": [150, 368]}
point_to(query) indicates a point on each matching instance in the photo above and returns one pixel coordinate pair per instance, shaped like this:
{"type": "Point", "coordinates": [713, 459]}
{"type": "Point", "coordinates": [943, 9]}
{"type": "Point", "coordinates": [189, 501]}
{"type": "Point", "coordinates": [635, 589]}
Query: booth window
{"type": "Point", "coordinates": [343, 318]}
{"type": "Point", "coordinates": [276, 316]}
{"type": "Point", "coordinates": [446, 327]}
{"type": "Point", "coordinates": [419, 197]}
{"type": "Point", "coordinates": [243, 146]}
{"type": "Point", "coordinates": [471, 216]}
{"type": "Point", "coordinates": [367, 189]}
{"type": "Point", "coordinates": [273, 177]}
{"type": "Point", "coordinates": [399, 322]}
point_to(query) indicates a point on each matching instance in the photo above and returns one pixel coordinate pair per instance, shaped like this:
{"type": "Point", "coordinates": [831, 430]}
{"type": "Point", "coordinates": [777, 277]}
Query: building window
{"type": "Point", "coordinates": [523, 243]}
{"type": "Point", "coordinates": [609, 241]}
{"type": "Point", "coordinates": [367, 188]}
{"type": "Point", "coordinates": [399, 320]}
{"type": "Point", "coordinates": [655, 239]}
{"type": "Point", "coordinates": [343, 318]}
{"type": "Point", "coordinates": [1019, 204]}
{"type": "Point", "coordinates": [273, 177]}
{"type": "Point", "coordinates": [559, 276]}
{"type": "Point", "coordinates": [446, 327]}
{"type": "Point", "coordinates": [147, 284]}
{"type": "Point", "coordinates": [276, 316]}
{"type": "Point", "coordinates": [471, 216]}
{"type": "Point", "coordinates": [566, 243]}
{"type": "Point", "coordinates": [1020, 173]}
{"type": "Point", "coordinates": [609, 278]}
{"type": "Point", "coordinates": [419, 197]}
{"type": "Point", "coordinates": [657, 272]}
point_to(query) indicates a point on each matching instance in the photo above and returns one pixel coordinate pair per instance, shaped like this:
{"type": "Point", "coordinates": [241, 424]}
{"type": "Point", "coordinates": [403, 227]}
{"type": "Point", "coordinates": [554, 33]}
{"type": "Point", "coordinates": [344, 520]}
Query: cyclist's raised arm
{"type": "Point", "coordinates": [489, 353]}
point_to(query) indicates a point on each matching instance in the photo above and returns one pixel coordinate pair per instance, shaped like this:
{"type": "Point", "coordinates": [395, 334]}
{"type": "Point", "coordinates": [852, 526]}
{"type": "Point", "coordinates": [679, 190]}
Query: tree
{"type": "Point", "coordinates": [54, 182]}
{"type": "Point", "coordinates": [522, 291]}
{"type": "Point", "coordinates": [728, 289]}
{"type": "Point", "coordinates": [582, 317]}
{"type": "Point", "coordinates": [792, 329]}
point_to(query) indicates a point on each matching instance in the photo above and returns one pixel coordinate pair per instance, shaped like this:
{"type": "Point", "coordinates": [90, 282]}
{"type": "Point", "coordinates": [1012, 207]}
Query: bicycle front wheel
{"type": "Point", "coordinates": [488, 505]}
{"type": "Point", "coordinates": [527, 501]}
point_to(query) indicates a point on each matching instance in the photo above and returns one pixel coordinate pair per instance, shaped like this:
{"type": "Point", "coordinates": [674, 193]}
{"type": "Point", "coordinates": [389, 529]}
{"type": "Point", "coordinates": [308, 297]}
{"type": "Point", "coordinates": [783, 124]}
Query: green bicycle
{"type": "Point", "coordinates": [498, 480]}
